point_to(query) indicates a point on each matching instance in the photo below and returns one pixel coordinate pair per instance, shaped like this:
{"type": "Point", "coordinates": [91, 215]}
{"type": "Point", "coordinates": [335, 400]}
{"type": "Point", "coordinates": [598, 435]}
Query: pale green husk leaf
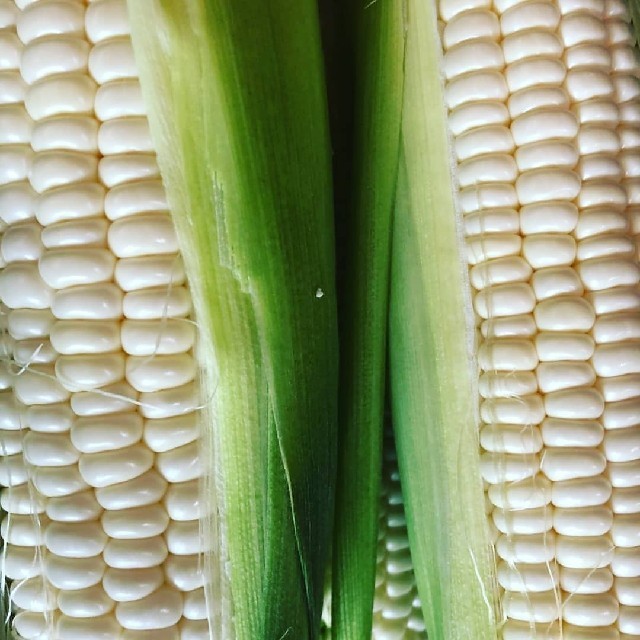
{"type": "Point", "coordinates": [237, 110]}
{"type": "Point", "coordinates": [433, 372]}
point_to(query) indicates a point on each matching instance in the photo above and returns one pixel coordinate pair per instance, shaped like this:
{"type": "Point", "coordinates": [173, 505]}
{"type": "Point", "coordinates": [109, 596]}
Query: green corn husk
{"type": "Point", "coordinates": [432, 366]}
{"type": "Point", "coordinates": [237, 108]}
{"type": "Point", "coordinates": [378, 32]}
{"type": "Point", "coordinates": [634, 10]}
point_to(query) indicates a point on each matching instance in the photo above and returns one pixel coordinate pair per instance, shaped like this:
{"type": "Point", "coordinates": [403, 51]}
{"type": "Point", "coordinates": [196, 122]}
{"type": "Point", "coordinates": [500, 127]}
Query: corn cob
{"type": "Point", "coordinates": [97, 299]}
{"type": "Point", "coordinates": [543, 105]}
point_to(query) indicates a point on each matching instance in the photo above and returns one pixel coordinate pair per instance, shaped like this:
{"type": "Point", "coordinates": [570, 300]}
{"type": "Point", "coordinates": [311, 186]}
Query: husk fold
{"type": "Point", "coordinates": [238, 115]}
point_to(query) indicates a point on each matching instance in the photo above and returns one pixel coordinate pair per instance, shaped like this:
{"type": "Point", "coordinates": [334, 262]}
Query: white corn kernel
{"type": "Point", "coordinates": [548, 217]}
{"type": "Point", "coordinates": [73, 573]}
{"type": "Point", "coordinates": [93, 434]}
{"type": "Point", "coordinates": [77, 507]}
{"type": "Point", "coordinates": [555, 376]}
{"type": "Point", "coordinates": [549, 250]}
{"type": "Point", "coordinates": [588, 580]}
{"type": "Point", "coordinates": [75, 337]}
{"type": "Point", "coordinates": [531, 43]}
{"type": "Point", "coordinates": [133, 524]}
{"type": "Point", "coordinates": [135, 553]}
{"type": "Point", "coordinates": [581, 492]}
{"type": "Point", "coordinates": [507, 438]}
{"type": "Point", "coordinates": [52, 17]}
{"type": "Point", "coordinates": [536, 607]}
{"type": "Point", "coordinates": [534, 97]}
{"type": "Point", "coordinates": [67, 94]}
{"type": "Point", "coordinates": [541, 155]}
{"type": "Point", "coordinates": [74, 133]}
{"type": "Point", "coordinates": [75, 539]}
{"type": "Point", "coordinates": [146, 489]}
{"type": "Point", "coordinates": [477, 86]}
{"type": "Point", "coordinates": [523, 578]}
{"type": "Point", "coordinates": [106, 19]}
{"type": "Point", "coordinates": [119, 169]}
{"type": "Point", "coordinates": [590, 610]}
{"type": "Point", "coordinates": [60, 55]}
{"type": "Point", "coordinates": [158, 610]}
{"type": "Point", "coordinates": [112, 467]}
{"type": "Point", "coordinates": [567, 464]}
{"type": "Point", "coordinates": [118, 583]}
{"type": "Point", "coordinates": [472, 56]}
{"type": "Point", "coordinates": [470, 23]}
{"type": "Point", "coordinates": [180, 464]}
{"type": "Point", "coordinates": [92, 602]}
{"type": "Point", "coordinates": [112, 60]}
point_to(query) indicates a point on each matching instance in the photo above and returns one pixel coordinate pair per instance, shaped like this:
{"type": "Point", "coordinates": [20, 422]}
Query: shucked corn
{"type": "Point", "coordinates": [102, 529]}
{"type": "Point", "coordinates": [544, 109]}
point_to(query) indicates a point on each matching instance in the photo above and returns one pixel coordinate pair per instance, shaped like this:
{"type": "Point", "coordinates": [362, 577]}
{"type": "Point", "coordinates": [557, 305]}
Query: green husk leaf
{"type": "Point", "coordinates": [378, 29]}
{"type": "Point", "coordinates": [238, 114]}
{"type": "Point", "coordinates": [432, 367]}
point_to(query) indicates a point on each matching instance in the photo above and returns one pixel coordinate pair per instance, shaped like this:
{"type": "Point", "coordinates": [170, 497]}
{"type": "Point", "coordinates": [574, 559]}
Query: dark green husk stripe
{"type": "Point", "coordinates": [240, 121]}
{"type": "Point", "coordinates": [5, 621]}
{"type": "Point", "coordinates": [378, 30]}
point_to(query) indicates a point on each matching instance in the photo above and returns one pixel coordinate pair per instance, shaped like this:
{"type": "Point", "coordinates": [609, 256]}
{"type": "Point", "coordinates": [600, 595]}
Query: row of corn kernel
{"type": "Point", "coordinates": [157, 337]}
{"type": "Point", "coordinates": [397, 611]}
{"type": "Point", "coordinates": [59, 100]}
{"type": "Point", "coordinates": [28, 300]}
{"type": "Point", "coordinates": [611, 248]}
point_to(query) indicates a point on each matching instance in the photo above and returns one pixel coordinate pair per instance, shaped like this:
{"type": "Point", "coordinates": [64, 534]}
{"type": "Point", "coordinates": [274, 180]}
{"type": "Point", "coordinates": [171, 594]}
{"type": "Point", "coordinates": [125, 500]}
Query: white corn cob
{"type": "Point", "coordinates": [106, 399]}
{"type": "Point", "coordinates": [544, 107]}
{"type": "Point", "coordinates": [397, 611]}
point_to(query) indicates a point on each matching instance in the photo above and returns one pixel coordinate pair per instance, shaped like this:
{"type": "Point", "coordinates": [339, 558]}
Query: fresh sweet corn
{"type": "Point", "coordinates": [100, 428]}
